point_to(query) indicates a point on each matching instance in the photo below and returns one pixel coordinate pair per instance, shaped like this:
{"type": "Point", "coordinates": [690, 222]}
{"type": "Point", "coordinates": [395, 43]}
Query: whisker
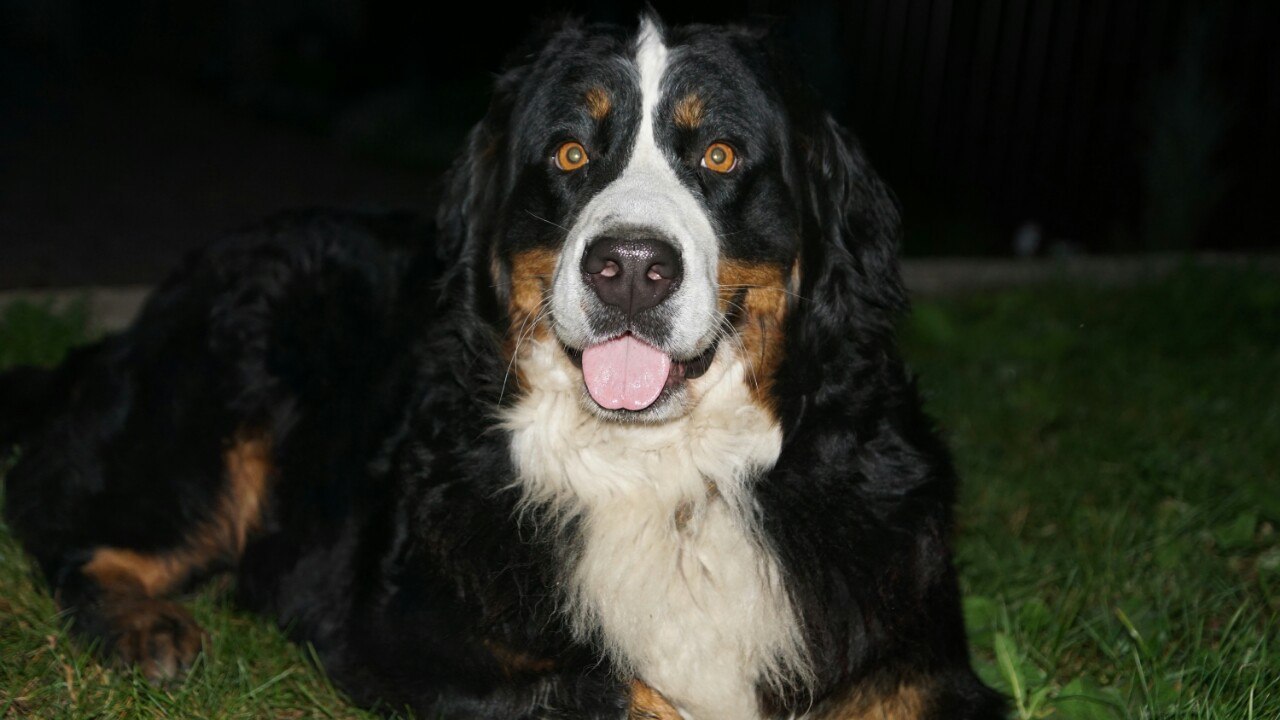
{"type": "Point", "coordinates": [737, 307]}
{"type": "Point", "coordinates": [526, 329]}
{"type": "Point", "coordinates": [746, 286]}
{"type": "Point", "coordinates": [726, 331]}
{"type": "Point", "coordinates": [531, 276]}
{"type": "Point", "coordinates": [738, 337]}
{"type": "Point", "coordinates": [537, 217]}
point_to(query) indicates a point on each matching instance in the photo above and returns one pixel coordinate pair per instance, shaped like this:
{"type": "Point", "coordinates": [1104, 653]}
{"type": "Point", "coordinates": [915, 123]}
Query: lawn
{"type": "Point", "coordinates": [1118, 543]}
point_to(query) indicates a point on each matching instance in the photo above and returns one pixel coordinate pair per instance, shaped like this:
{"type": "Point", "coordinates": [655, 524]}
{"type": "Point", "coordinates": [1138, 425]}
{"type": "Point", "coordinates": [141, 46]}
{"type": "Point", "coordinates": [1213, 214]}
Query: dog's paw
{"type": "Point", "coordinates": [158, 637]}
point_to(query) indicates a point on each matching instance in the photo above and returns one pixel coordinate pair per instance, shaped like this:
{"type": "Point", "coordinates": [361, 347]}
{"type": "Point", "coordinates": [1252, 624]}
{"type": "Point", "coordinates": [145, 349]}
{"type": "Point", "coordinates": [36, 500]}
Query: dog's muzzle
{"type": "Point", "coordinates": [631, 276]}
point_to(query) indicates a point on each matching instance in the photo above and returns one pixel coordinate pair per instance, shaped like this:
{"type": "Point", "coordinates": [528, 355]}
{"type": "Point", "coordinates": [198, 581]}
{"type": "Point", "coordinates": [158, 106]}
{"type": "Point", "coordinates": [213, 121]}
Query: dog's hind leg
{"type": "Point", "coordinates": [144, 628]}
{"type": "Point", "coordinates": [120, 595]}
{"type": "Point", "coordinates": [148, 460]}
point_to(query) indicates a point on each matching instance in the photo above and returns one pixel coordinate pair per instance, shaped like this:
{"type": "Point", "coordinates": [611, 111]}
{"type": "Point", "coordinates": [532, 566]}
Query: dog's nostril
{"type": "Point", "coordinates": [631, 274]}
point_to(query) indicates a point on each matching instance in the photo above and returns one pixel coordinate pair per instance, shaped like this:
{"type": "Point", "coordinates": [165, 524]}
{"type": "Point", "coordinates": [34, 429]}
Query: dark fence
{"type": "Point", "coordinates": [1116, 125]}
{"type": "Point", "coordinates": [1119, 125]}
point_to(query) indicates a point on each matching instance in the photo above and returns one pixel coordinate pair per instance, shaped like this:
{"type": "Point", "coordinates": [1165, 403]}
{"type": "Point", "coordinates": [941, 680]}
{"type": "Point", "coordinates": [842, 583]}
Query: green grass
{"type": "Point", "coordinates": [1118, 548]}
{"type": "Point", "coordinates": [1121, 460]}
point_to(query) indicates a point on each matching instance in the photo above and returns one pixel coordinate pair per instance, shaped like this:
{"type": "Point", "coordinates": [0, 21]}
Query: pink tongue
{"type": "Point", "coordinates": [625, 373]}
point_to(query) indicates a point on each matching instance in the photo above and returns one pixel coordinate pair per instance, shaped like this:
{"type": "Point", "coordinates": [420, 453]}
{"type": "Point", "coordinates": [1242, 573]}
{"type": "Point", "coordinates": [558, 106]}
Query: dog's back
{"type": "Point", "coordinates": [165, 439]}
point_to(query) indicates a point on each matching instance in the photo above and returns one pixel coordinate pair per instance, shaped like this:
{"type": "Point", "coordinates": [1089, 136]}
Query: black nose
{"type": "Point", "coordinates": [632, 274]}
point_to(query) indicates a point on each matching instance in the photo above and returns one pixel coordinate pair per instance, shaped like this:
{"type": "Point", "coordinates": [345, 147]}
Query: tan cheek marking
{"type": "Point", "coordinates": [648, 704]}
{"type": "Point", "coordinates": [906, 702]}
{"type": "Point", "coordinates": [759, 290]}
{"type": "Point", "coordinates": [598, 104]}
{"type": "Point", "coordinates": [532, 272]}
{"type": "Point", "coordinates": [531, 275]}
{"type": "Point", "coordinates": [688, 112]}
{"type": "Point", "coordinates": [221, 537]}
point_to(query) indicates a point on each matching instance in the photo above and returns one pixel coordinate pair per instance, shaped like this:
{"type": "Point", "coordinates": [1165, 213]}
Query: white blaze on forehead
{"type": "Point", "coordinates": [647, 197]}
{"type": "Point", "coordinates": [651, 61]}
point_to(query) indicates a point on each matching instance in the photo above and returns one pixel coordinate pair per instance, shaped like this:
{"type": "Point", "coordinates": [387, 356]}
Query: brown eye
{"type": "Point", "coordinates": [719, 157]}
{"type": "Point", "coordinates": [571, 156]}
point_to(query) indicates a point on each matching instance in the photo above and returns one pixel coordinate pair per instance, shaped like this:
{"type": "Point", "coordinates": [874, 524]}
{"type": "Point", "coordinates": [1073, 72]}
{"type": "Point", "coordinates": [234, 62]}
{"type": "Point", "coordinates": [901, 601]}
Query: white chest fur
{"type": "Point", "coordinates": [672, 579]}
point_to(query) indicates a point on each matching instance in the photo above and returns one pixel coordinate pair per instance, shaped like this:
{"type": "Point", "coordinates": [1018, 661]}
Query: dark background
{"type": "Point", "coordinates": [131, 130]}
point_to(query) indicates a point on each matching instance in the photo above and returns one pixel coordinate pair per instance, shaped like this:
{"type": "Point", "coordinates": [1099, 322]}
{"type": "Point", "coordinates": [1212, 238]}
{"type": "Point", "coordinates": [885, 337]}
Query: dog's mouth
{"type": "Point", "coordinates": [626, 373]}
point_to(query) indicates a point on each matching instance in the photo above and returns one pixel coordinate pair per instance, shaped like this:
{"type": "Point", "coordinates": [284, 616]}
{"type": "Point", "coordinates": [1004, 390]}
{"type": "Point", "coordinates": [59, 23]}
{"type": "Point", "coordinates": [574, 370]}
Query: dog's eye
{"type": "Point", "coordinates": [571, 156]}
{"type": "Point", "coordinates": [720, 158]}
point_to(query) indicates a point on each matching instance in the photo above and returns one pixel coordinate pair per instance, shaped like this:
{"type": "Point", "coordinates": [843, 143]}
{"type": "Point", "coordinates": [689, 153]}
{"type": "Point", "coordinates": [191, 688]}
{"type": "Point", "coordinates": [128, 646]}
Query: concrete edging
{"type": "Point", "coordinates": [111, 308]}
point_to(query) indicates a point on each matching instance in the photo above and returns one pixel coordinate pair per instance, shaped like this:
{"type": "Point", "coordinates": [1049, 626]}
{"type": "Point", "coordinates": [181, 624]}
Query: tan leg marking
{"type": "Point", "coordinates": [905, 702]}
{"type": "Point", "coordinates": [222, 536]}
{"type": "Point", "coordinates": [515, 663]}
{"type": "Point", "coordinates": [157, 635]}
{"type": "Point", "coordinates": [648, 704]}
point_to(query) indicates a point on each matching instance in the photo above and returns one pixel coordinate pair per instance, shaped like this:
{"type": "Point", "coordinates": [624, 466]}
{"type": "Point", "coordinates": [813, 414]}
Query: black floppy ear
{"type": "Point", "coordinates": [464, 216]}
{"type": "Point", "coordinates": [468, 217]}
{"type": "Point", "coordinates": [469, 204]}
{"type": "Point", "coordinates": [849, 257]}
{"type": "Point", "coordinates": [465, 183]}
{"type": "Point", "coordinates": [850, 293]}
{"type": "Point", "coordinates": [470, 211]}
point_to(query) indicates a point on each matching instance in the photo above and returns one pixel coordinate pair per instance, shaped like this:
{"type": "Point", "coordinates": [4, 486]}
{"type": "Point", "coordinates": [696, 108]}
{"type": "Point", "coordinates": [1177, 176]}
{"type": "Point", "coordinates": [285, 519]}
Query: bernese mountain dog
{"type": "Point", "coordinates": [624, 433]}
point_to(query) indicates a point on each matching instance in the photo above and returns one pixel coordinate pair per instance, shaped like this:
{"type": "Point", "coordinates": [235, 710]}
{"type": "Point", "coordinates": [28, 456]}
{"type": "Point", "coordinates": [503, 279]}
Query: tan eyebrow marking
{"type": "Point", "coordinates": [688, 113]}
{"type": "Point", "coordinates": [598, 103]}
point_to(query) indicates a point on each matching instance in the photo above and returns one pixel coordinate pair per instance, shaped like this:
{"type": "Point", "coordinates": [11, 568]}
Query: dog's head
{"type": "Point", "coordinates": [659, 200]}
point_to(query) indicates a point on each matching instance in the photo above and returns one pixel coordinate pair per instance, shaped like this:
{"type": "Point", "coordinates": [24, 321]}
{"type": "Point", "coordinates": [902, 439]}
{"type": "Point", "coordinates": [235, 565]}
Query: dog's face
{"type": "Point", "coordinates": [642, 201]}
